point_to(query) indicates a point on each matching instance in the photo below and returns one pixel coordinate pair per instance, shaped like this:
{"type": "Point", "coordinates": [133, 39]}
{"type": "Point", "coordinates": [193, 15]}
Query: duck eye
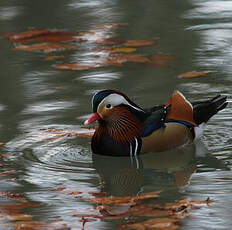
{"type": "Point", "coordinates": [108, 106]}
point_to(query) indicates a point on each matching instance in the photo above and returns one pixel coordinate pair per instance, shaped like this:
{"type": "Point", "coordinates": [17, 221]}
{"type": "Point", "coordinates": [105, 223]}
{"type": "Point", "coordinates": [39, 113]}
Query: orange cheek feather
{"type": "Point", "coordinates": [180, 108]}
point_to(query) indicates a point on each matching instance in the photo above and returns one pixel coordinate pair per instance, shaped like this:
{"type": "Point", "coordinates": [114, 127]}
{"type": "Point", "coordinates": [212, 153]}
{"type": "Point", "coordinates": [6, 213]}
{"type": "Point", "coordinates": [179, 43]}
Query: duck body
{"type": "Point", "coordinates": [125, 129]}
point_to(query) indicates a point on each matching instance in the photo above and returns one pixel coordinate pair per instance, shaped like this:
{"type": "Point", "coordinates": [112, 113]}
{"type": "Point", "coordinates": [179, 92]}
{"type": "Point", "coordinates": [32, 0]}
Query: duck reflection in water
{"type": "Point", "coordinates": [125, 176]}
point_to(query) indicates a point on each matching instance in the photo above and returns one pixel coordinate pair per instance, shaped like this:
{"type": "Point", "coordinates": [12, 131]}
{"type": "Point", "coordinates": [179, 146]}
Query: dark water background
{"type": "Point", "coordinates": [34, 96]}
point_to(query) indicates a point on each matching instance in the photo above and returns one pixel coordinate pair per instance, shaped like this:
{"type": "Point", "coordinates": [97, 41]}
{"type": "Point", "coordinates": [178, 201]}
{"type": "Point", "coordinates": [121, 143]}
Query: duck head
{"type": "Point", "coordinates": [119, 123]}
{"type": "Point", "coordinates": [108, 103]}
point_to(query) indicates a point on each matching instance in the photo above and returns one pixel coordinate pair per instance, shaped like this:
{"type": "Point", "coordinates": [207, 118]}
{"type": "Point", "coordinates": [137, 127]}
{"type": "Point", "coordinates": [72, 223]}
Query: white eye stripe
{"type": "Point", "coordinates": [116, 99]}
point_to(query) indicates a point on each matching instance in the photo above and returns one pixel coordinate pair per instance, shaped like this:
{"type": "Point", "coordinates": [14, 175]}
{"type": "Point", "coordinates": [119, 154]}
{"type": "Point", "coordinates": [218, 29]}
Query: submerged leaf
{"type": "Point", "coordinates": [7, 173]}
{"type": "Point", "coordinates": [123, 200]}
{"type": "Point", "coordinates": [109, 42]}
{"type": "Point", "coordinates": [14, 37]}
{"type": "Point", "coordinates": [14, 196]}
{"type": "Point", "coordinates": [123, 50]}
{"type": "Point", "coordinates": [51, 58]}
{"type": "Point", "coordinates": [75, 66]}
{"type": "Point", "coordinates": [138, 43]}
{"type": "Point", "coordinates": [193, 74]}
{"type": "Point", "coordinates": [41, 35]}
{"type": "Point", "coordinates": [45, 47]}
{"type": "Point", "coordinates": [15, 211]}
{"type": "Point", "coordinates": [39, 225]}
{"type": "Point", "coordinates": [153, 224]}
{"type": "Point", "coordinates": [162, 60]}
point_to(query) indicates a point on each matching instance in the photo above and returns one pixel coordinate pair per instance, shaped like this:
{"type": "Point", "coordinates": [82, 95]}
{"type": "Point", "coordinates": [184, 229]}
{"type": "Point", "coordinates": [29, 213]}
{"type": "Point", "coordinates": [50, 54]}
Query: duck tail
{"type": "Point", "coordinates": [204, 110]}
{"type": "Point", "coordinates": [181, 109]}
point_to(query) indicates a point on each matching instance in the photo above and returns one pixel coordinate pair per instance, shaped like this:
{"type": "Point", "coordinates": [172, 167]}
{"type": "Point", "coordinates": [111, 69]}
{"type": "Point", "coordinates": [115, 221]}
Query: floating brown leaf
{"type": "Point", "coordinates": [14, 37]}
{"type": "Point", "coordinates": [153, 224]}
{"type": "Point", "coordinates": [122, 211]}
{"type": "Point", "coordinates": [39, 225]}
{"type": "Point", "coordinates": [75, 66]}
{"type": "Point", "coordinates": [187, 204]}
{"type": "Point", "coordinates": [109, 42]}
{"type": "Point", "coordinates": [51, 58]}
{"type": "Point", "coordinates": [45, 47]}
{"type": "Point", "coordinates": [14, 196]}
{"type": "Point", "coordinates": [50, 36]}
{"type": "Point", "coordinates": [123, 50]}
{"type": "Point", "coordinates": [59, 189]}
{"type": "Point", "coordinates": [138, 43]}
{"type": "Point", "coordinates": [15, 211]}
{"type": "Point", "coordinates": [162, 60]}
{"type": "Point", "coordinates": [7, 173]}
{"type": "Point", "coordinates": [193, 74]}
{"type": "Point", "coordinates": [123, 200]}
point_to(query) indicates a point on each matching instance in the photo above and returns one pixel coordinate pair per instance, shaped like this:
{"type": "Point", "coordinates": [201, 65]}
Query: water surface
{"type": "Point", "coordinates": [34, 96]}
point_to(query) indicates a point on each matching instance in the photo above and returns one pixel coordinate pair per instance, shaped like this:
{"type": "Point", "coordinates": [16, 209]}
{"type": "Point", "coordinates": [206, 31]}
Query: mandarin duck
{"type": "Point", "coordinates": [125, 129]}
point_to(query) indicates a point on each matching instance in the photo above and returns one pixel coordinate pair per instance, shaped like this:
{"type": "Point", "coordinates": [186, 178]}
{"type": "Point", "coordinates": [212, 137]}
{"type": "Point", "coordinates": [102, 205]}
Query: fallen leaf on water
{"type": "Point", "coordinates": [45, 47]}
{"type": "Point", "coordinates": [189, 204]}
{"type": "Point", "coordinates": [59, 189]}
{"type": "Point", "coordinates": [39, 225]}
{"type": "Point", "coordinates": [15, 211]}
{"type": "Point", "coordinates": [97, 193]}
{"type": "Point", "coordinates": [75, 66]}
{"type": "Point", "coordinates": [109, 42]}
{"type": "Point", "coordinates": [162, 60]}
{"type": "Point", "coordinates": [41, 35]}
{"type": "Point", "coordinates": [51, 58]}
{"type": "Point", "coordinates": [52, 37]}
{"type": "Point", "coordinates": [7, 173]}
{"type": "Point", "coordinates": [120, 208]}
{"type": "Point", "coordinates": [14, 196]}
{"type": "Point", "coordinates": [138, 43]}
{"type": "Point", "coordinates": [152, 224]}
{"type": "Point", "coordinates": [123, 50]}
{"type": "Point", "coordinates": [123, 200]}
{"type": "Point", "coordinates": [193, 74]}
{"type": "Point", "coordinates": [14, 37]}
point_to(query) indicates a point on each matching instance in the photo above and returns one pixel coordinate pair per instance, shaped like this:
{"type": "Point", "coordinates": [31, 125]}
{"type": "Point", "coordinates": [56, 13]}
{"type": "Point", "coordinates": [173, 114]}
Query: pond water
{"type": "Point", "coordinates": [34, 97]}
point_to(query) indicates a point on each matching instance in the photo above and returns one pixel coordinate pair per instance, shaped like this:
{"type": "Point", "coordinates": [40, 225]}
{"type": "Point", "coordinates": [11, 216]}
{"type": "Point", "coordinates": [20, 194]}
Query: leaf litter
{"type": "Point", "coordinates": [51, 40]}
{"type": "Point", "coordinates": [129, 208]}
{"type": "Point", "coordinates": [194, 74]}
{"type": "Point", "coordinates": [47, 40]}
{"type": "Point", "coordinates": [46, 35]}
{"type": "Point", "coordinates": [160, 216]}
